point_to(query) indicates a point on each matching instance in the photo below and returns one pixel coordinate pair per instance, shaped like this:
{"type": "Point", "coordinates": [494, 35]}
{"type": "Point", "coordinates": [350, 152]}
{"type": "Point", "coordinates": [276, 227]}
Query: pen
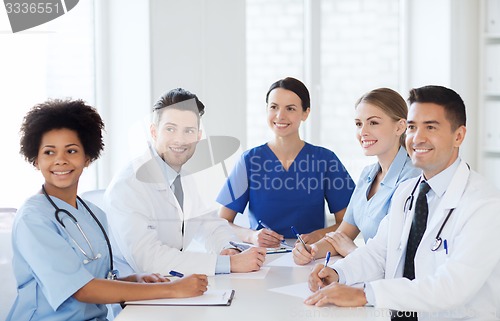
{"type": "Point", "coordinates": [175, 273]}
{"type": "Point", "coordinates": [445, 246]}
{"type": "Point", "coordinates": [327, 258]}
{"type": "Point", "coordinates": [264, 225]}
{"type": "Point", "coordinates": [294, 231]}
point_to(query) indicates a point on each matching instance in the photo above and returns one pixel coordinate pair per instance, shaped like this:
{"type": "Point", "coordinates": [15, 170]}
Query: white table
{"type": "Point", "coordinates": [252, 301]}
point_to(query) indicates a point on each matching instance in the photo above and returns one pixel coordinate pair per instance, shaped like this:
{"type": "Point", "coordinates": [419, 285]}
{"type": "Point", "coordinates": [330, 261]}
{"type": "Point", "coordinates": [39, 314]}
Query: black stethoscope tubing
{"type": "Point", "coordinates": [409, 201]}
{"type": "Point", "coordinates": [58, 210]}
{"type": "Point", "coordinates": [439, 241]}
{"type": "Point", "coordinates": [408, 206]}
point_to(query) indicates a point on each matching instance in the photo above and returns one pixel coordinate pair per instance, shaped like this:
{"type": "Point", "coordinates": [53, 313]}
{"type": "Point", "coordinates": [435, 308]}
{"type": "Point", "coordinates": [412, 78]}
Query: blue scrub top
{"type": "Point", "coordinates": [282, 198]}
{"type": "Point", "coordinates": [48, 266]}
{"type": "Point", "coordinates": [365, 213]}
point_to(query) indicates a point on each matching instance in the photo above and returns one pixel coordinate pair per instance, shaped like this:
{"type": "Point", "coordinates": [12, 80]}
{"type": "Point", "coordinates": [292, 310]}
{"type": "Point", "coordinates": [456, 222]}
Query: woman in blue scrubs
{"type": "Point", "coordinates": [380, 118]}
{"type": "Point", "coordinates": [286, 181]}
{"type": "Point", "coordinates": [61, 270]}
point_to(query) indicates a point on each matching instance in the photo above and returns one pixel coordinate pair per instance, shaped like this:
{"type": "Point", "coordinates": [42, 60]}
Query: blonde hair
{"type": "Point", "coordinates": [390, 102]}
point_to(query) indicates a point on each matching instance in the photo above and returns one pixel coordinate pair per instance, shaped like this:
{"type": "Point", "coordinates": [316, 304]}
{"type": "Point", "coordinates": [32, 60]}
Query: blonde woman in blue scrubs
{"type": "Point", "coordinates": [380, 119]}
{"type": "Point", "coordinates": [62, 273]}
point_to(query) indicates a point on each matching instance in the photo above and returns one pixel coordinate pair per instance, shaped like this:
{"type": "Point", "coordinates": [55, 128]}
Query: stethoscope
{"type": "Point", "coordinates": [408, 206]}
{"type": "Point", "coordinates": [112, 274]}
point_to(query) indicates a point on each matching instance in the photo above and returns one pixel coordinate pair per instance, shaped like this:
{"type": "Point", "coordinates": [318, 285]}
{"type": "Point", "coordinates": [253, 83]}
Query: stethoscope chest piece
{"type": "Point", "coordinates": [437, 244]}
{"type": "Point", "coordinates": [112, 273]}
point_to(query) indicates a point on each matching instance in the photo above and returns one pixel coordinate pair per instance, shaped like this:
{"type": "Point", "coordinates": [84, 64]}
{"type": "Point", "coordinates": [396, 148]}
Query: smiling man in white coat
{"type": "Point", "coordinates": [154, 207]}
{"type": "Point", "coordinates": [435, 254]}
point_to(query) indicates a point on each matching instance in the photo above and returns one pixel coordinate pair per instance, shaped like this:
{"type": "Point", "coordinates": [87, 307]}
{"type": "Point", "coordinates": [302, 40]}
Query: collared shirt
{"type": "Point", "coordinates": [365, 213]}
{"type": "Point", "coordinates": [223, 264]}
{"type": "Point", "coordinates": [168, 172]}
{"type": "Point", "coordinates": [439, 184]}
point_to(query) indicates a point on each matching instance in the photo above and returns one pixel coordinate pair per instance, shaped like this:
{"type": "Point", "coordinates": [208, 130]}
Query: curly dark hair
{"type": "Point", "coordinates": [57, 114]}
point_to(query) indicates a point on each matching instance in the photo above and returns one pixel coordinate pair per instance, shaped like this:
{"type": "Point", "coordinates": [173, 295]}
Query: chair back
{"type": "Point", "coordinates": [95, 196]}
{"type": "Point", "coordinates": [8, 288]}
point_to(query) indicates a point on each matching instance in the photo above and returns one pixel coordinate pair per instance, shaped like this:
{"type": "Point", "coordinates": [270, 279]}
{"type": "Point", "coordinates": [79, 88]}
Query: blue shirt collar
{"type": "Point", "coordinates": [441, 181]}
{"type": "Point", "coordinates": [168, 172]}
{"type": "Point", "coordinates": [392, 176]}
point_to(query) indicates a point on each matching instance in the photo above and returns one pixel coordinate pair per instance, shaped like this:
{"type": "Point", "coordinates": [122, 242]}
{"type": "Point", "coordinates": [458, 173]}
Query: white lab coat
{"type": "Point", "coordinates": [146, 220]}
{"type": "Point", "coordinates": [463, 284]}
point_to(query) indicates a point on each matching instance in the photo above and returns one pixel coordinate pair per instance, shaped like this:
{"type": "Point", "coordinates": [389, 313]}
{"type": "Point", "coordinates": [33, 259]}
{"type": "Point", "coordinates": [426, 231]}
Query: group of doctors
{"type": "Point", "coordinates": [155, 211]}
{"type": "Point", "coordinates": [455, 271]}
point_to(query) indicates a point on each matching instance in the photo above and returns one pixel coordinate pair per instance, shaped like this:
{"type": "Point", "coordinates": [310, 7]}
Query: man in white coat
{"type": "Point", "coordinates": [456, 265]}
{"type": "Point", "coordinates": [155, 210]}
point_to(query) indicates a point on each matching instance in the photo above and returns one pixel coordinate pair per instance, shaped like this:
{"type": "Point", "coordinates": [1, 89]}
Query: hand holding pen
{"type": "Point", "coordinates": [187, 286]}
{"type": "Point", "coordinates": [322, 275]}
{"type": "Point", "coordinates": [266, 237]}
{"type": "Point", "coordinates": [294, 231]}
{"type": "Point", "coordinates": [327, 259]}
{"type": "Point", "coordinates": [303, 253]}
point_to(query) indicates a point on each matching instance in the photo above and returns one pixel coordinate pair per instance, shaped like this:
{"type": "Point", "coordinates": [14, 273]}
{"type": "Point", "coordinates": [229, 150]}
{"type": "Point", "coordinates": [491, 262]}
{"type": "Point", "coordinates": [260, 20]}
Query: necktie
{"type": "Point", "coordinates": [179, 194]}
{"type": "Point", "coordinates": [418, 227]}
{"type": "Point", "coordinates": [417, 230]}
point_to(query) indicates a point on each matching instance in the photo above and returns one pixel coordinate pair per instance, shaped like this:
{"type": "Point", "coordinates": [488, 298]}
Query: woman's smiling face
{"type": "Point", "coordinates": [61, 159]}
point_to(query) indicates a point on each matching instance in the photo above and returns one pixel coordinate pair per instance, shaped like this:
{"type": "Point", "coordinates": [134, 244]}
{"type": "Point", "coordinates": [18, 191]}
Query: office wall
{"type": "Point", "coordinates": [442, 40]}
{"type": "Point", "coordinates": [200, 45]}
{"type": "Point", "coordinates": [146, 48]}
{"type": "Point", "coordinates": [123, 77]}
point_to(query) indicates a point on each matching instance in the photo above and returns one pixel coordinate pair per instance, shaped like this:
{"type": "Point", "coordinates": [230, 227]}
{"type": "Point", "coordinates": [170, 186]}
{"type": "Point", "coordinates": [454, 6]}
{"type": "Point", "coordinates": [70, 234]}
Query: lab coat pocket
{"type": "Point", "coordinates": [440, 257]}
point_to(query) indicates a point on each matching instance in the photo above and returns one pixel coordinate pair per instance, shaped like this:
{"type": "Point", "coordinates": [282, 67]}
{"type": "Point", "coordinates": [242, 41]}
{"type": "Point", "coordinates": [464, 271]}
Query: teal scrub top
{"type": "Point", "coordinates": [48, 266]}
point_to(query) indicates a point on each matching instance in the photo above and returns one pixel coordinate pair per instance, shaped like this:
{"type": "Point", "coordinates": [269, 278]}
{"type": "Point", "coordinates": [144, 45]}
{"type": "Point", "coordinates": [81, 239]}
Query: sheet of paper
{"type": "Point", "coordinates": [211, 297]}
{"type": "Point", "coordinates": [260, 274]}
{"type": "Point", "coordinates": [287, 260]}
{"type": "Point", "coordinates": [300, 290]}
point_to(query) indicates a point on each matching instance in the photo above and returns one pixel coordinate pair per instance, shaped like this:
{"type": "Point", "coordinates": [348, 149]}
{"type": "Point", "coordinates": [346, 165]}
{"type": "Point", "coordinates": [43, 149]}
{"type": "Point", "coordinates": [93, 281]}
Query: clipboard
{"type": "Point", "coordinates": [209, 298]}
{"type": "Point", "coordinates": [284, 248]}
{"type": "Point", "coordinates": [277, 250]}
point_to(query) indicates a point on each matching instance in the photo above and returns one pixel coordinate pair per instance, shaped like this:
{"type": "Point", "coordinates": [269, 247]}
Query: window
{"type": "Point", "coordinates": [359, 51]}
{"type": "Point", "coordinates": [54, 60]}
